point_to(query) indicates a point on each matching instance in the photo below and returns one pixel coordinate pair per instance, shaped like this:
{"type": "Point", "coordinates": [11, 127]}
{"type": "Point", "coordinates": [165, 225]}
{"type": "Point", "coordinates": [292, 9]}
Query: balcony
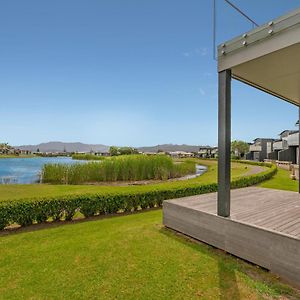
{"type": "Point", "coordinates": [255, 148]}
{"type": "Point", "coordinates": [293, 139]}
{"type": "Point", "coordinates": [278, 145]}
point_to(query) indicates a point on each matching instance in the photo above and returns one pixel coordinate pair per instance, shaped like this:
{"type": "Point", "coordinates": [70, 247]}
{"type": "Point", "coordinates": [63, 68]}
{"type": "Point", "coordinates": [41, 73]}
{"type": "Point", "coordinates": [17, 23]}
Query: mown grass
{"type": "Point", "coordinates": [46, 190]}
{"type": "Point", "coordinates": [281, 181]}
{"type": "Point", "coordinates": [130, 257]}
{"type": "Point", "coordinates": [121, 168]}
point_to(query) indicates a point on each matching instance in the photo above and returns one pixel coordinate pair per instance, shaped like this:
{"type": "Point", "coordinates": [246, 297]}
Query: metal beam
{"type": "Point", "coordinates": [299, 152]}
{"type": "Point", "coordinates": [224, 143]}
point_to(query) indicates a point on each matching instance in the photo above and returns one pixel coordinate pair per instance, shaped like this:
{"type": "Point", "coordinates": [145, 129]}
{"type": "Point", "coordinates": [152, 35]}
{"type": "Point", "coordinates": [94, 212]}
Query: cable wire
{"type": "Point", "coordinates": [215, 22]}
{"type": "Point", "coordinates": [241, 12]}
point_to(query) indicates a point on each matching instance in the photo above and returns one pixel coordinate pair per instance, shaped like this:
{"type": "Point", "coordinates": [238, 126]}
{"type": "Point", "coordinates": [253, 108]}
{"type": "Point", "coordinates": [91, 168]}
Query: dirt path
{"type": "Point", "coordinates": [254, 170]}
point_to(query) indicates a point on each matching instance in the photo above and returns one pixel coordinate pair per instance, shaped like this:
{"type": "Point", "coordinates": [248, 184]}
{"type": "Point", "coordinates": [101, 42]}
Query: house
{"type": "Point", "coordinates": [102, 154]}
{"type": "Point", "coordinates": [204, 152]}
{"type": "Point", "coordinates": [259, 149]}
{"type": "Point", "coordinates": [149, 153]}
{"type": "Point", "coordinates": [181, 154]}
{"type": "Point", "coordinates": [292, 153]}
{"type": "Point", "coordinates": [207, 152]}
{"type": "Point", "coordinates": [214, 152]}
{"type": "Point", "coordinates": [284, 148]}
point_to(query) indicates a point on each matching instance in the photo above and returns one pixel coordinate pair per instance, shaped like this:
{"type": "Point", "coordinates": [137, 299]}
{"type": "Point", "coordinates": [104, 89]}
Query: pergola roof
{"type": "Point", "coordinates": [268, 57]}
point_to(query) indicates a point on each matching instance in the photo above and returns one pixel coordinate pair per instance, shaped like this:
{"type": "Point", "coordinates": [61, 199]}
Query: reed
{"type": "Point", "coordinates": [87, 157]}
{"type": "Point", "coordinates": [121, 168]}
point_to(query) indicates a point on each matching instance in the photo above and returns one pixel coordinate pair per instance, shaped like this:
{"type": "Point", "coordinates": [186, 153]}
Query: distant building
{"type": "Point", "coordinates": [207, 152]}
{"type": "Point", "coordinates": [291, 154]}
{"type": "Point", "coordinates": [286, 147]}
{"type": "Point", "coordinates": [14, 151]}
{"type": "Point", "coordinates": [259, 149]}
{"type": "Point", "coordinates": [204, 152]}
{"type": "Point", "coordinates": [181, 154]}
{"type": "Point", "coordinates": [102, 153]}
{"type": "Point", "coordinates": [150, 153]}
{"type": "Point", "coordinates": [214, 152]}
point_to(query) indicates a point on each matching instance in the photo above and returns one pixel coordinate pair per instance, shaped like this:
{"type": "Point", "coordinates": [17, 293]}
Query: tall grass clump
{"type": "Point", "coordinates": [121, 168]}
{"type": "Point", "coordinates": [87, 157]}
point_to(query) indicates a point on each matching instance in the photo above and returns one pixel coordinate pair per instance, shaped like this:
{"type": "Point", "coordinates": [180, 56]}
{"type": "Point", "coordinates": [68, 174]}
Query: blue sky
{"type": "Point", "coordinates": [126, 72]}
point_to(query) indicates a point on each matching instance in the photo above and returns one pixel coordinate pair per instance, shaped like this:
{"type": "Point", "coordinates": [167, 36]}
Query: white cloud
{"type": "Point", "coordinates": [202, 92]}
{"type": "Point", "coordinates": [207, 74]}
{"type": "Point", "coordinates": [202, 51]}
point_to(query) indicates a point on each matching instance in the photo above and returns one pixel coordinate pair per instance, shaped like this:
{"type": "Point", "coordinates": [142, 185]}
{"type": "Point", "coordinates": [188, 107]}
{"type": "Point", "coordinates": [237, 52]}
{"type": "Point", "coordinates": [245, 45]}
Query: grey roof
{"type": "Point", "coordinates": [269, 139]}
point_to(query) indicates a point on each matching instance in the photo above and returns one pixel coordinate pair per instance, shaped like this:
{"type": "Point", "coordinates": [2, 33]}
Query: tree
{"type": "Point", "coordinates": [239, 148]}
{"type": "Point", "coordinates": [113, 151]}
{"type": "Point", "coordinates": [5, 148]}
{"type": "Point", "coordinates": [127, 151]}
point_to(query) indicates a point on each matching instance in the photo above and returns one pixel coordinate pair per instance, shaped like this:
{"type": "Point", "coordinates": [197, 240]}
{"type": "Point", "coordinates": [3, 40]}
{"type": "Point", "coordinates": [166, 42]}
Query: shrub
{"type": "Point", "coordinates": [27, 211]}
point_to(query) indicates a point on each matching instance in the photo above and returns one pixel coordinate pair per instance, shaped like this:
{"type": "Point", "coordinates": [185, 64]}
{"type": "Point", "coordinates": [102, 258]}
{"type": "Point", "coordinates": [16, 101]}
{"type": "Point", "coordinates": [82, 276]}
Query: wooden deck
{"type": "Point", "coordinates": [264, 227]}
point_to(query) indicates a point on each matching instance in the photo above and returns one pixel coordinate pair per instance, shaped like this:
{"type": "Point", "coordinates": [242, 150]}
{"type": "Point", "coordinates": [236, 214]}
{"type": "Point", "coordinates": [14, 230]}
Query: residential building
{"type": "Point", "coordinates": [204, 152]}
{"type": "Point", "coordinates": [259, 149]}
{"type": "Point", "coordinates": [181, 154]}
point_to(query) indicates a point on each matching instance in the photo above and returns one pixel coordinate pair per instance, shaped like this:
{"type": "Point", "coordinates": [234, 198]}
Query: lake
{"type": "Point", "coordinates": [27, 170]}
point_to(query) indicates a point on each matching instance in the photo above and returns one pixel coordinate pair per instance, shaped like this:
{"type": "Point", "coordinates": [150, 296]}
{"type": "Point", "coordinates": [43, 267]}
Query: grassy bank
{"type": "Point", "coordinates": [20, 191]}
{"type": "Point", "coordinates": [131, 257]}
{"type": "Point", "coordinates": [121, 168]}
{"type": "Point", "coordinates": [38, 209]}
{"type": "Point", "coordinates": [16, 156]}
{"type": "Point", "coordinates": [281, 181]}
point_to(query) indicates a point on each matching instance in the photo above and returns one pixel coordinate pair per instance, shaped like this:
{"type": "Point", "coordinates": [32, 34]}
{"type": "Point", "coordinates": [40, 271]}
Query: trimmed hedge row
{"type": "Point", "coordinates": [28, 211]}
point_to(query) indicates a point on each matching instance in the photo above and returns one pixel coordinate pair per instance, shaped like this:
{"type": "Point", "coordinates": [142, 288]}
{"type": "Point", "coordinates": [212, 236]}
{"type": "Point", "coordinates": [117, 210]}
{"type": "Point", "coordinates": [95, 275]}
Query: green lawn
{"type": "Point", "coordinates": [44, 190]}
{"type": "Point", "coordinates": [281, 181]}
{"type": "Point", "coordinates": [129, 257]}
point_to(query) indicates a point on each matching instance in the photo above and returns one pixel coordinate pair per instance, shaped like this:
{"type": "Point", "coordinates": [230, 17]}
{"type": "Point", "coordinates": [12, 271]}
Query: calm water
{"type": "Point", "coordinates": [26, 170]}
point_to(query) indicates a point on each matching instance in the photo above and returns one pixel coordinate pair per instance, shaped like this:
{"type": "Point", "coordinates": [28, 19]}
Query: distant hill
{"type": "Point", "coordinates": [171, 148]}
{"type": "Point", "coordinates": [60, 147]}
{"type": "Point", "coordinates": [81, 147]}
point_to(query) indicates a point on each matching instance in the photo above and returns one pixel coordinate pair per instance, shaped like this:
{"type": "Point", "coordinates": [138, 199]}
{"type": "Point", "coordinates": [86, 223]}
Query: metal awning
{"type": "Point", "coordinates": [267, 57]}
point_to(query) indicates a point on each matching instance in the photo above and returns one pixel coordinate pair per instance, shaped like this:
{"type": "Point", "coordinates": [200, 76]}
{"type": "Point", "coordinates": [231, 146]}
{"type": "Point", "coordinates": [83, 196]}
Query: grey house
{"type": "Point", "coordinates": [204, 152]}
{"type": "Point", "coordinates": [292, 152]}
{"type": "Point", "coordinates": [281, 148]}
{"type": "Point", "coordinates": [260, 149]}
{"type": "Point", "coordinates": [207, 152]}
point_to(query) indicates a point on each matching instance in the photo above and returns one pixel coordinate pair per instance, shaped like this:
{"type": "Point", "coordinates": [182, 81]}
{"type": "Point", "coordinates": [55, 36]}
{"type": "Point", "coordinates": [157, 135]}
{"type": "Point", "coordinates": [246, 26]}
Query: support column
{"type": "Point", "coordinates": [299, 151]}
{"type": "Point", "coordinates": [224, 143]}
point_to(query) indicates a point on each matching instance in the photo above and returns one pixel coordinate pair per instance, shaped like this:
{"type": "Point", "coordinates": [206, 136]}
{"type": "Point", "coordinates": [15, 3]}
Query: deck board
{"type": "Point", "coordinates": [266, 208]}
{"type": "Point", "coordinates": [264, 226]}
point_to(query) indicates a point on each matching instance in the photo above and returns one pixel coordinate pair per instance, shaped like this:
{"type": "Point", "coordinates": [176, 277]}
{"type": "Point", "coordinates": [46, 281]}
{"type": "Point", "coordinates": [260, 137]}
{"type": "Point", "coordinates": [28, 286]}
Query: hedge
{"type": "Point", "coordinates": [28, 211]}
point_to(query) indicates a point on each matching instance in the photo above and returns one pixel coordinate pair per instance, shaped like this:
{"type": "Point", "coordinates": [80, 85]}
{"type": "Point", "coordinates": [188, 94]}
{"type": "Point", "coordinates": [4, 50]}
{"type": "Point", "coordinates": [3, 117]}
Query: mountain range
{"type": "Point", "coordinates": [81, 147]}
{"type": "Point", "coordinates": [171, 148]}
{"type": "Point", "coordinates": [61, 147]}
